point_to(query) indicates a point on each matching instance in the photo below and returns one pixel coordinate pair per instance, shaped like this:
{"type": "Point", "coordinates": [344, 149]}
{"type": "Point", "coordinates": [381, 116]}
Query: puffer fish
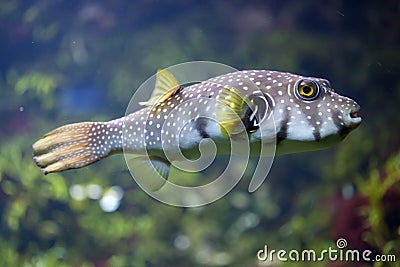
{"type": "Point", "coordinates": [307, 114]}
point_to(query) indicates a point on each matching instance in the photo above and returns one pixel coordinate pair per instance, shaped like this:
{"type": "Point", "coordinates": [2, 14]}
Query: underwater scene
{"type": "Point", "coordinates": [199, 133]}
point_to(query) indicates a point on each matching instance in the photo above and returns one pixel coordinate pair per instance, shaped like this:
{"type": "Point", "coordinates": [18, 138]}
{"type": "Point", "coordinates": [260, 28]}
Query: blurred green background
{"type": "Point", "coordinates": [67, 61]}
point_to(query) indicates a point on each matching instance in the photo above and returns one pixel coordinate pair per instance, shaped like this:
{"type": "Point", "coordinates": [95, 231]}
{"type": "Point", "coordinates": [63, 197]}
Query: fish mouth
{"type": "Point", "coordinates": [354, 114]}
{"type": "Point", "coordinates": [354, 118]}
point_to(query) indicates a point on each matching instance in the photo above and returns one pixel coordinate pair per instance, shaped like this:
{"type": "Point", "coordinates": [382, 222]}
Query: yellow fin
{"type": "Point", "coordinates": [166, 85]}
{"type": "Point", "coordinates": [230, 105]}
{"type": "Point", "coordinates": [150, 172]}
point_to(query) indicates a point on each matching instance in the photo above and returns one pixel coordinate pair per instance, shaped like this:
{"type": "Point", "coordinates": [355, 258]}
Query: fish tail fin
{"type": "Point", "coordinates": [75, 146]}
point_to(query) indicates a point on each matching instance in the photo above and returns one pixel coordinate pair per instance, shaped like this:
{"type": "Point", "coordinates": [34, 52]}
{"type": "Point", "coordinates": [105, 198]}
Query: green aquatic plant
{"type": "Point", "coordinates": [34, 84]}
{"type": "Point", "coordinates": [382, 191]}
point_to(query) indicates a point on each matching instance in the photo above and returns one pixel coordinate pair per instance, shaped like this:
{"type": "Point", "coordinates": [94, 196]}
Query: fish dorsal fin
{"type": "Point", "coordinates": [166, 85]}
{"type": "Point", "coordinates": [230, 106]}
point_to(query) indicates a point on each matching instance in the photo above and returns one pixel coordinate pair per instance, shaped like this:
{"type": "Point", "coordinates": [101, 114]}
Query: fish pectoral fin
{"type": "Point", "coordinates": [150, 172]}
{"type": "Point", "coordinates": [166, 85]}
{"type": "Point", "coordinates": [229, 110]}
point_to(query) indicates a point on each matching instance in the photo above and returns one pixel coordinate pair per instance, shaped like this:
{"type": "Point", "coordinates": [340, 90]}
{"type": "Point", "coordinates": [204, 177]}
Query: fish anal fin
{"type": "Point", "coordinates": [150, 172]}
{"type": "Point", "coordinates": [166, 86]}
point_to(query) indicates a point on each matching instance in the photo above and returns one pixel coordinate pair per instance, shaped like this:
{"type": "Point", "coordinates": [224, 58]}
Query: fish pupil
{"type": "Point", "coordinates": [307, 90]}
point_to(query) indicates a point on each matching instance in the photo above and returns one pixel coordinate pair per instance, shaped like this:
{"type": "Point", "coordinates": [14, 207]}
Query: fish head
{"type": "Point", "coordinates": [308, 114]}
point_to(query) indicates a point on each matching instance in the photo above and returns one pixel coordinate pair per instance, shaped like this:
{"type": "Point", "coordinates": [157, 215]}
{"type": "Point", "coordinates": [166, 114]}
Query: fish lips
{"type": "Point", "coordinates": [352, 119]}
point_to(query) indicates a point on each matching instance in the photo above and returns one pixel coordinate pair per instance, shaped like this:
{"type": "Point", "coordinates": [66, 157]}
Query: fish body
{"type": "Point", "coordinates": [298, 113]}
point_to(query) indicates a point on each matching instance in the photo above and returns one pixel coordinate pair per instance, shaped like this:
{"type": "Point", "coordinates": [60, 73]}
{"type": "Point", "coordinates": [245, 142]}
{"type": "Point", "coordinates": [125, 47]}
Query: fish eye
{"type": "Point", "coordinates": [307, 90]}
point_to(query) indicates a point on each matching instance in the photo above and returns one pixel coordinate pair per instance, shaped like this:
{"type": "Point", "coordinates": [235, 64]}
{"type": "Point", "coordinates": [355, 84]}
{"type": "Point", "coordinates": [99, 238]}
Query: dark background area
{"type": "Point", "coordinates": [68, 61]}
